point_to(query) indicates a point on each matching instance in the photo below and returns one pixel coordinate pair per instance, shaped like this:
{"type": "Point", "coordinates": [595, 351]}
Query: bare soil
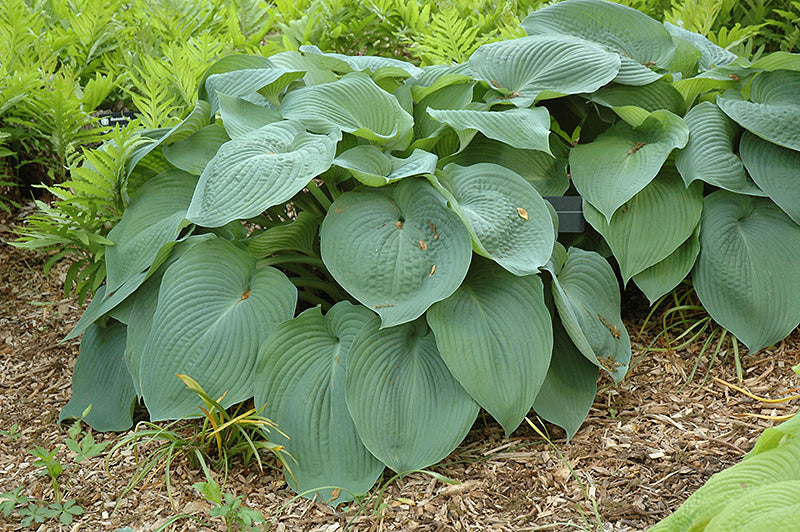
{"type": "Point", "coordinates": [647, 444]}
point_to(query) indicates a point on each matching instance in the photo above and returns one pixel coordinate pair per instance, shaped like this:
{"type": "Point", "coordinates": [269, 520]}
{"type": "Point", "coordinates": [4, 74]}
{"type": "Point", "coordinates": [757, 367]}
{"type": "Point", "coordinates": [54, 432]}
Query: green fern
{"type": "Point", "coordinates": [452, 39]}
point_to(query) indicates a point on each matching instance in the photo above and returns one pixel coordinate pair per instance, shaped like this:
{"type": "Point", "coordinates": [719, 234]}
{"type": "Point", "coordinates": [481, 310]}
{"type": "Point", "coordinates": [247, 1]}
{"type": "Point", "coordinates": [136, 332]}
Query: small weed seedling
{"type": "Point", "coordinates": [33, 511]}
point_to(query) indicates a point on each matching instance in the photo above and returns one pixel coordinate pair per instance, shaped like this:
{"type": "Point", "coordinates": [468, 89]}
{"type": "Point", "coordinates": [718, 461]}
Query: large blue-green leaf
{"type": "Point", "coordinates": [300, 376]}
{"type": "Point", "coordinates": [140, 306]}
{"type": "Point", "coordinates": [634, 104]}
{"type": "Point", "coordinates": [776, 170]}
{"type": "Point", "coordinates": [508, 220]}
{"type": "Point", "coordinates": [409, 410]}
{"type": "Point", "coordinates": [231, 63]}
{"type": "Point", "coordinates": [777, 503]}
{"type": "Point", "coordinates": [568, 390]}
{"type": "Point", "coordinates": [101, 380]}
{"type": "Point", "coordinates": [371, 166]}
{"type": "Point", "coordinates": [154, 218]}
{"type": "Point", "coordinates": [241, 116]}
{"type": "Point", "coordinates": [665, 207]}
{"type": "Point", "coordinates": [295, 235]}
{"type": "Point", "coordinates": [586, 294]}
{"type": "Point", "coordinates": [257, 170]}
{"type": "Point", "coordinates": [526, 129]}
{"type": "Point", "coordinates": [495, 336]}
{"type": "Point", "coordinates": [772, 110]}
{"type": "Point", "coordinates": [215, 308]}
{"type": "Point", "coordinates": [428, 131]}
{"type": "Point", "coordinates": [640, 41]}
{"type": "Point", "coordinates": [364, 62]}
{"type": "Point", "coordinates": [709, 155]}
{"type": "Point", "coordinates": [747, 274]}
{"type": "Point", "coordinates": [193, 153]}
{"type": "Point", "coordinates": [623, 160]}
{"type": "Point", "coordinates": [711, 55]}
{"type": "Point", "coordinates": [249, 81]}
{"type": "Point", "coordinates": [661, 278]}
{"type": "Point", "coordinates": [354, 104]}
{"type": "Point", "coordinates": [546, 173]}
{"type": "Point", "coordinates": [397, 249]}
{"type": "Point", "coordinates": [543, 66]}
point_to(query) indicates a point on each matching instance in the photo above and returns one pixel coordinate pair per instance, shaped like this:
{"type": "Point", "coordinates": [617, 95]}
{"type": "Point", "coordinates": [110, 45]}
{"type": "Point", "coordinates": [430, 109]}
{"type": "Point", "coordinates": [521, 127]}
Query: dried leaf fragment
{"type": "Point", "coordinates": [615, 332]}
{"type": "Point", "coordinates": [433, 270]}
{"type": "Point", "coordinates": [522, 213]}
{"type": "Point", "coordinates": [246, 295]}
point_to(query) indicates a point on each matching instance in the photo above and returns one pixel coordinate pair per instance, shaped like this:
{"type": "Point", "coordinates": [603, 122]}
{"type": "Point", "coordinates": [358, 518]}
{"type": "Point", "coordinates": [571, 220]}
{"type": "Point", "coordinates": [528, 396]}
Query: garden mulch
{"type": "Point", "coordinates": [648, 443]}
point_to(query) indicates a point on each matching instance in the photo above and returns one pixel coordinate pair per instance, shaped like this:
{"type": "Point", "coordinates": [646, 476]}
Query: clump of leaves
{"type": "Point", "coordinates": [364, 246]}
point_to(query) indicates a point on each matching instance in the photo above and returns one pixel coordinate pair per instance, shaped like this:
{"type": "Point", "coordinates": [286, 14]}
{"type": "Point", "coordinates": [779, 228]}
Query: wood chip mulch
{"type": "Point", "coordinates": [647, 444]}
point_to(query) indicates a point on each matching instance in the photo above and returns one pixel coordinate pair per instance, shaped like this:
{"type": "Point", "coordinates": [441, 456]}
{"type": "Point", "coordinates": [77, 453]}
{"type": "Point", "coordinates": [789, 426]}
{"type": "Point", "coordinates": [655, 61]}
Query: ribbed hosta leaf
{"type": "Point", "coordinates": [494, 334]}
{"type": "Point", "coordinates": [301, 373]}
{"type": "Point", "coordinates": [747, 275]}
{"type": "Point", "coordinates": [436, 77]}
{"type": "Point", "coordinates": [294, 235]}
{"type": "Point", "coordinates": [508, 220]}
{"type": "Point", "coordinates": [709, 155]}
{"type": "Point", "coordinates": [215, 308]}
{"type": "Point", "coordinates": [409, 410]}
{"type": "Point", "coordinates": [101, 379]}
{"type": "Point", "coordinates": [154, 218]}
{"type": "Point", "coordinates": [775, 170]}
{"type": "Point", "coordinates": [397, 249]}
{"type": "Point", "coordinates": [665, 207]}
{"type": "Point", "coordinates": [739, 482]}
{"type": "Point", "coordinates": [249, 81]}
{"type": "Point", "coordinates": [661, 278]}
{"type": "Point", "coordinates": [777, 504]}
{"type": "Point", "coordinates": [568, 390]}
{"type": "Point", "coordinates": [373, 167]}
{"type": "Point", "coordinates": [354, 104]}
{"type": "Point", "coordinates": [364, 62]}
{"type": "Point", "coordinates": [623, 160]}
{"type": "Point", "coordinates": [640, 41]}
{"type": "Point", "coordinates": [546, 173]}
{"type": "Point", "coordinates": [710, 54]}
{"type": "Point", "coordinates": [587, 297]}
{"type": "Point", "coordinates": [231, 63]}
{"type": "Point", "coordinates": [193, 153]}
{"type": "Point", "coordinates": [241, 116]}
{"type": "Point", "coordinates": [772, 110]}
{"type": "Point", "coordinates": [257, 170]}
{"type": "Point", "coordinates": [526, 129]}
{"type": "Point", "coordinates": [427, 130]}
{"type": "Point", "coordinates": [524, 70]}
{"type": "Point", "coordinates": [634, 104]}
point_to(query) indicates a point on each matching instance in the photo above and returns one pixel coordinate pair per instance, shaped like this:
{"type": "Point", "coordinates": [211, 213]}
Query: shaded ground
{"type": "Point", "coordinates": [648, 443]}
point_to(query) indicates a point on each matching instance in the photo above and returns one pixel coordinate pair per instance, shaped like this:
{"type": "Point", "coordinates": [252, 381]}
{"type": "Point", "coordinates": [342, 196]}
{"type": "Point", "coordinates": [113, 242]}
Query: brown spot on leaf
{"type": "Point", "coordinates": [615, 332]}
{"type": "Point", "coordinates": [246, 295]}
{"type": "Point", "coordinates": [433, 229]}
{"type": "Point", "coordinates": [422, 245]}
{"type": "Point", "coordinates": [522, 213]}
{"type": "Point", "coordinates": [433, 270]}
{"type": "Point", "coordinates": [382, 306]}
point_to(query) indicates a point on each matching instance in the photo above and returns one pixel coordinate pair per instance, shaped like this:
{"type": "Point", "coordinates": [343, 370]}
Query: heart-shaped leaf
{"type": "Point", "coordinates": [494, 334]}
{"type": "Point", "coordinates": [709, 155]}
{"type": "Point", "coordinates": [526, 129]}
{"type": "Point", "coordinates": [354, 104]}
{"type": "Point", "coordinates": [397, 249]}
{"type": "Point", "coordinates": [301, 373]}
{"type": "Point", "coordinates": [747, 274]}
{"type": "Point", "coordinates": [241, 116]}
{"type": "Point", "coordinates": [586, 294]}
{"type": "Point", "coordinates": [508, 220]}
{"type": "Point", "coordinates": [409, 410]}
{"type": "Point", "coordinates": [546, 173]}
{"type": "Point", "coordinates": [775, 170]}
{"type": "Point", "coordinates": [373, 167]}
{"type": "Point", "coordinates": [101, 380]}
{"type": "Point", "coordinates": [664, 207]}
{"type": "Point", "coordinates": [527, 69]}
{"type": "Point", "coordinates": [215, 309]}
{"type": "Point", "coordinates": [568, 390]}
{"type": "Point", "coordinates": [249, 81]}
{"type": "Point", "coordinates": [154, 218]}
{"type": "Point", "coordinates": [640, 41]}
{"type": "Point", "coordinates": [257, 170]}
{"type": "Point", "coordinates": [772, 110]}
{"type": "Point", "coordinates": [623, 160]}
{"type": "Point", "coordinates": [661, 278]}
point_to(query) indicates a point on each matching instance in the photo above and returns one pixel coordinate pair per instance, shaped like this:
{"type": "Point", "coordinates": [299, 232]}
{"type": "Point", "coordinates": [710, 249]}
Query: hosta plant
{"type": "Point", "coordinates": [363, 245]}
